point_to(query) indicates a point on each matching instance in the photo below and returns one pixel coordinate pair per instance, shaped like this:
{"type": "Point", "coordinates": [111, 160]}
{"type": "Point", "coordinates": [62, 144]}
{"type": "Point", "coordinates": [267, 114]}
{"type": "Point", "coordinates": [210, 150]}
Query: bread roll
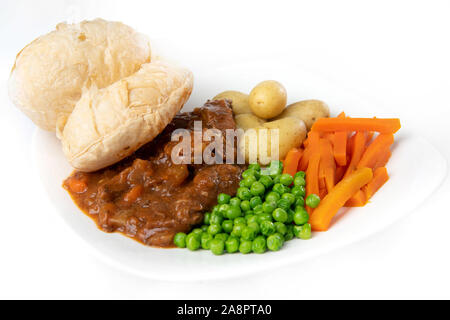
{"type": "Point", "coordinates": [109, 124]}
{"type": "Point", "coordinates": [49, 74]}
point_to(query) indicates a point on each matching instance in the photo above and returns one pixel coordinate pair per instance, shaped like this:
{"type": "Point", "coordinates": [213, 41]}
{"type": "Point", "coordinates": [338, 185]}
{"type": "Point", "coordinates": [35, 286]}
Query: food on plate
{"type": "Point", "coordinates": [109, 124]}
{"type": "Point", "coordinates": [148, 197]}
{"type": "Point", "coordinates": [267, 210]}
{"type": "Point", "coordinates": [239, 101]}
{"type": "Point", "coordinates": [308, 110]}
{"type": "Point", "coordinates": [257, 146]}
{"type": "Point", "coordinates": [248, 121]}
{"type": "Point", "coordinates": [341, 193]}
{"type": "Point", "coordinates": [338, 183]}
{"type": "Point", "coordinates": [268, 99]}
{"type": "Point", "coordinates": [50, 73]}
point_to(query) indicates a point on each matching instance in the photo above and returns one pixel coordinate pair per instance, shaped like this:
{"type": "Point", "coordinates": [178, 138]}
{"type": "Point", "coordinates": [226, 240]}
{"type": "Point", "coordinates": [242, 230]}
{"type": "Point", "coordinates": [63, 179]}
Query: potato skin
{"type": "Point", "coordinates": [248, 121]}
{"type": "Point", "coordinates": [268, 99]}
{"type": "Point", "coordinates": [292, 132]}
{"type": "Point", "coordinates": [308, 110]}
{"type": "Point", "coordinates": [239, 101]}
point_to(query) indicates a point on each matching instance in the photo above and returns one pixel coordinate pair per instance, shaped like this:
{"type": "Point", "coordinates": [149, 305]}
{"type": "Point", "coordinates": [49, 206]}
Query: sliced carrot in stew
{"type": "Point", "coordinates": [76, 185]}
{"type": "Point", "coordinates": [133, 194]}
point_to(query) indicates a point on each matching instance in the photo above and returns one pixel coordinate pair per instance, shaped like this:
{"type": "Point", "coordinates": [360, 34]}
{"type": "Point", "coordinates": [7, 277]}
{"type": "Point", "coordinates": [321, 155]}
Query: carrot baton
{"type": "Point", "coordinates": [327, 169]}
{"type": "Point", "coordinates": [372, 153]}
{"type": "Point", "coordinates": [359, 199]}
{"type": "Point", "coordinates": [312, 172]}
{"type": "Point", "coordinates": [380, 177]}
{"type": "Point", "coordinates": [334, 200]}
{"type": "Point", "coordinates": [383, 159]}
{"type": "Point", "coordinates": [291, 161]}
{"type": "Point", "coordinates": [356, 124]}
{"type": "Point", "coordinates": [340, 147]}
{"type": "Point", "coordinates": [359, 146]}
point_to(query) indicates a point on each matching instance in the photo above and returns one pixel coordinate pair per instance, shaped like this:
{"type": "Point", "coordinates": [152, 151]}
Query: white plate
{"type": "Point", "coordinates": [407, 188]}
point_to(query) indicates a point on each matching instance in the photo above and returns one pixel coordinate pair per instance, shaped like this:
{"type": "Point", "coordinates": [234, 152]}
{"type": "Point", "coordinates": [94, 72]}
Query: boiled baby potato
{"type": "Point", "coordinates": [268, 99]}
{"type": "Point", "coordinates": [308, 110]}
{"type": "Point", "coordinates": [248, 121]}
{"type": "Point", "coordinates": [239, 101]}
{"type": "Point", "coordinates": [291, 133]}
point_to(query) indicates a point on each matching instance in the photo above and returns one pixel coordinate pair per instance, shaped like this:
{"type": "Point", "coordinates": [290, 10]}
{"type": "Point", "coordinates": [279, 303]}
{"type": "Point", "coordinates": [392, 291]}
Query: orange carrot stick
{"type": "Point", "coordinates": [327, 169]}
{"type": "Point", "coordinates": [340, 171]}
{"type": "Point", "coordinates": [380, 177]}
{"type": "Point", "coordinates": [359, 146]}
{"type": "Point", "coordinates": [359, 199]}
{"type": "Point", "coordinates": [372, 153]}
{"type": "Point", "coordinates": [340, 147]}
{"type": "Point", "coordinates": [291, 162]}
{"type": "Point", "coordinates": [312, 177]}
{"type": "Point", "coordinates": [356, 124]}
{"type": "Point", "coordinates": [303, 163]}
{"type": "Point", "coordinates": [383, 159]}
{"type": "Point", "coordinates": [334, 200]}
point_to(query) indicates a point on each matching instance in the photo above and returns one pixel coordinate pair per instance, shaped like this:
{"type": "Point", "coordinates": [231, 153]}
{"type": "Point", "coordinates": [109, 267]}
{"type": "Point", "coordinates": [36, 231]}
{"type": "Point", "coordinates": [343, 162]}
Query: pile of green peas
{"type": "Point", "coordinates": [268, 210]}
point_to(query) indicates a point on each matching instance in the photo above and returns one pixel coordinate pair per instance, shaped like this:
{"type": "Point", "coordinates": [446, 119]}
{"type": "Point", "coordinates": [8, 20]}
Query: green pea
{"type": "Point", "coordinates": [264, 217]}
{"type": "Point", "coordinates": [205, 240]}
{"type": "Point", "coordinates": [297, 230]}
{"type": "Point", "coordinates": [299, 181]}
{"type": "Point", "coordinates": [290, 213]}
{"type": "Point", "coordinates": [235, 202]}
{"type": "Point", "coordinates": [259, 245]}
{"type": "Point", "coordinates": [257, 188]}
{"type": "Point", "coordinates": [280, 215]}
{"type": "Point", "coordinates": [217, 246]}
{"type": "Point", "coordinates": [223, 198]}
{"type": "Point", "coordinates": [276, 178]}
{"type": "Point", "coordinates": [254, 226]}
{"type": "Point", "coordinates": [247, 173]}
{"type": "Point", "coordinates": [248, 233]}
{"type": "Point", "coordinates": [301, 174]}
{"type": "Point", "coordinates": [206, 218]}
{"type": "Point", "coordinates": [284, 204]}
{"type": "Point", "coordinates": [272, 196]}
{"type": "Point", "coordinates": [245, 246]}
{"type": "Point", "coordinates": [251, 219]}
{"type": "Point", "coordinates": [222, 236]}
{"type": "Point", "coordinates": [255, 201]}
{"type": "Point", "coordinates": [240, 220]}
{"type": "Point", "coordinates": [298, 191]}
{"type": "Point", "coordinates": [243, 193]}
{"type": "Point", "coordinates": [258, 209]}
{"type": "Point", "coordinates": [289, 197]}
{"type": "Point", "coordinates": [312, 200]}
{"type": "Point", "coordinates": [180, 240]}
{"type": "Point", "coordinates": [192, 242]}
{"type": "Point", "coordinates": [245, 206]}
{"type": "Point", "coordinates": [254, 166]}
{"type": "Point", "coordinates": [301, 216]}
{"type": "Point", "coordinates": [267, 228]}
{"type": "Point", "coordinates": [280, 228]}
{"type": "Point", "coordinates": [223, 209]}
{"type": "Point", "coordinates": [268, 207]}
{"type": "Point", "coordinates": [247, 182]}
{"type": "Point", "coordinates": [266, 181]}
{"type": "Point", "coordinates": [300, 202]}
{"type": "Point", "coordinates": [204, 228]}
{"type": "Point", "coordinates": [237, 230]}
{"type": "Point", "coordinates": [214, 229]}
{"type": "Point", "coordinates": [275, 242]}
{"type": "Point", "coordinates": [286, 179]}
{"type": "Point", "coordinates": [227, 226]}
{"type": "Point", "coordinates": [232, 244]}
{"type": "Point", "coordinates": [289, 234]}
{"type": "Point", "coordinates": [197, 232]}
{"type": "Point", "coordinates": [216, 218]}
{"type": "Point", "coordinates": [233, 213]}
{"type": "Point", "coordinates": [305, 232]}
{"type": "Point", "coordinates": [278, 188]}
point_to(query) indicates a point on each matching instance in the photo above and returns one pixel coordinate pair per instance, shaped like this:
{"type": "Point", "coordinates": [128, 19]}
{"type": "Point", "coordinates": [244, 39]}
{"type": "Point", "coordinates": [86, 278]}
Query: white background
{"type": "Point", "coordinates": [396, 53]}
